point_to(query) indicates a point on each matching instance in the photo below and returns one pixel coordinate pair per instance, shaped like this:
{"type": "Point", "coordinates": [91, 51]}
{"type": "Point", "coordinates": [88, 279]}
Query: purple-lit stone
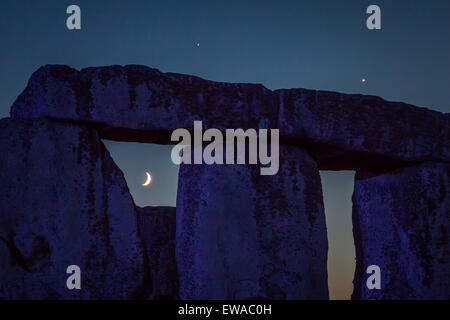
{"type": "Point", "coordinates": [361, 132]}
{"type": "Point", "coordinates": [241, 235]}
{"type": "Point", "coordinates": [157, 229]}
{"type": "Point", "coordinates": [401, 223]}
{"type": "Point", "coordinates": [138, 103]}
{"type": "Point", "coordinates": [64, 202]}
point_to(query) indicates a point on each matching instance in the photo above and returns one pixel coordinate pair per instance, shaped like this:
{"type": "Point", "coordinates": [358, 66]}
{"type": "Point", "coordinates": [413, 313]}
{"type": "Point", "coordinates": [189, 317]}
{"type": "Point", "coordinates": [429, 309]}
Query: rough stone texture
{"type": "Point", "coordinates": [137, 103]}
{"type": "Point", "coordinates": [242, 235]}
{"type": "Point", "coordinates": [401, 223]}
{"type": "Point", "coordinates": [157, 228]}
{"type": "Point", "coordinates": [352, 131]}
{"type": "Point", "coordinates": [142, 98]}
{"type": "Point", "coordinates": [64, 202]}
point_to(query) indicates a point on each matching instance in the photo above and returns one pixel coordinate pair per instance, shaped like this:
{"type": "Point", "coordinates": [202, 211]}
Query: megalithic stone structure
{"type": "Point", "coordinates": [241, 235]}
{"type": "Point", "coordinates": [138, 103]}
{"type": "Point", "coordinates": [64, 202]}
{"type": "Point", "coordinates": [401, 223]}
{"type": "Point", "coordinates": [238, 234]}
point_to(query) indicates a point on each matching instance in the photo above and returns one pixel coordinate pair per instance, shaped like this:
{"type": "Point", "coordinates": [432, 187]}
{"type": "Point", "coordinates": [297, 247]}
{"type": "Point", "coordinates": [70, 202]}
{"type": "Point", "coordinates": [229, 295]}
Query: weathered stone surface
{"type": "Point", "coordinates": [242, 235]}
{"type": "Point", "coordinates": [401, 223]}
{"type": "Point", "coordinates": [137, 103]}
{"type": "Point", "coordinates": [353, 131]}
{"type": "Point", "coordinates": [64, 202]}
{"type": "Point", "coordinates": [145, 99]}
{"type": "Point", "coordinates": [157, 229]}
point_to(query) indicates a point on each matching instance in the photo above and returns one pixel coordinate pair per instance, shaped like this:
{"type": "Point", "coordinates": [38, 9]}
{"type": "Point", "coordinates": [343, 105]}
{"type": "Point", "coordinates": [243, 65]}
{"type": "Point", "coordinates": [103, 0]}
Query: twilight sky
{"type": "Point", "coordinates": [316, 44]}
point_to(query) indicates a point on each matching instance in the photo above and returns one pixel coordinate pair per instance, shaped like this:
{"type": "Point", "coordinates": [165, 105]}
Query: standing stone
{"type": "Point", "coordinates": [241, 235]}
{"type": "Point", "coordinates": [401, 223]}
{"type": "Point", "coordinates": [157, 229]}
{"type": "Point", "coordinates": [64, 202]}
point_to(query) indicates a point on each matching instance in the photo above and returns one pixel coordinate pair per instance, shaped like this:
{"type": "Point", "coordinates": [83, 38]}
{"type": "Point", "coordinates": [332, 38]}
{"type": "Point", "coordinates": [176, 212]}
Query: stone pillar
{"type": "Point", "coordinates": [241, 235]}
{"type": "Point", "coordinates": [157, 229]}
{"type": "Point", "coordinates": [64, 202]}
{"type": "Point", "coordinates": [401, 224]}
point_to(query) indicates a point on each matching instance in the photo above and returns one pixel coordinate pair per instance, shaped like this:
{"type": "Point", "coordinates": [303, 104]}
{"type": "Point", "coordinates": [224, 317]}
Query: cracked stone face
{"type": "Point", "coordinates": [241, 235]}
{"type": "Point", "coordinates": [157, 228]}
{"type": "Point", "coordinates": [64, 202]}
{"type": "Point", "coordinates": [401, 223]}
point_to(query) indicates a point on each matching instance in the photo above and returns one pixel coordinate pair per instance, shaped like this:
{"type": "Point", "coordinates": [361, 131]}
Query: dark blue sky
{"type": "Point", "coordinates": [281, 44]}
{"type": "Point", "coordinates": [321, 44]}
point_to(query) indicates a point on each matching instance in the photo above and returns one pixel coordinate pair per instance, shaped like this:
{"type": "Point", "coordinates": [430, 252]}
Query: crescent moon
{"type": "Point", "coordinates": [149, 180]}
